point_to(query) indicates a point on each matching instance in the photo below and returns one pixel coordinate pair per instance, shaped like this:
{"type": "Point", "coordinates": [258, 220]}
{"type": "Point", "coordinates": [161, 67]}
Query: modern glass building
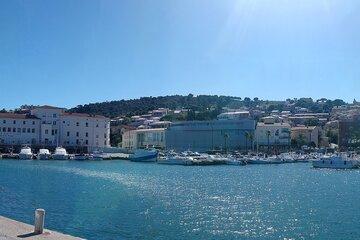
{"type": "Point", "coordinates": [204, 136]}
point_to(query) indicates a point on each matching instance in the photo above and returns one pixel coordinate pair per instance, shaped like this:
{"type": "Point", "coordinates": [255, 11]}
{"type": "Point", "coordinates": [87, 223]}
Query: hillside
{"type": "Point", "coordinates": [145, 104]}
{"type": "Point", "coordinates": [207, 106]}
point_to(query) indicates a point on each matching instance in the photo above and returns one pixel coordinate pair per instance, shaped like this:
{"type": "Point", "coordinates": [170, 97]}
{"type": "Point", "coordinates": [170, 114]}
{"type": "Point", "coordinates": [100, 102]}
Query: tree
{"type": "Point", "coordinates": [268, 134]}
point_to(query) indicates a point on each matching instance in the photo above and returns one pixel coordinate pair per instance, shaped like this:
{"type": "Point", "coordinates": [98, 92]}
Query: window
{"type": "Point", "coordinates": [54, 115]}
{"type": "Point", "coordinates": [14, 122]}
{"type": "Point", "coordinates": [77, 134]}
{"type": "Point", "coordinates": [77, 141]}
{"type": "Point", "coordinates": [24, 130]}
{"type": "Point", "coordinates": [4, 129]}
{"type": "Point", "coordinates": [55, 131]}
{"type": "Point", "coordinates": [14, 129]}
{"type": "Point", "coordinates": [86, 134]}
{"type": "Point", "coordinates": [24, 122]}
{"type": "Point", "coordinates": [9, 129]}
{"type": "Point", "coordinates": [97, 136]}
{"type": "Point", "coordinates": [86, 124]}
{"type": "Point", "coordinates": [33, 122]}
{"type": "Point", "coordinates": [28, 130]}
{"type": "Point", "coordinates": [19, 130]}
{"type": "Point", "coordinates": [68, 134]}
{"type": "Point", "coordinates": [86, 142]}
{"type": "Point", "coordinates": [52, 132]}
{"type": "Point", "coordinates": [97, 125]}
{"type": "Point", "coordinates": [4, 121]}
{"type": "Point", "coordinates": [54, 122]}
{"type": "Point", "coordinates": [105, 142]}
{"type": "Point", "coordinates": [46, 131]}
{"type": "Point", "coordinates": [104, 135]}
{"type": "Point", "coordinates": [33, 130]}
{"type": "Point", "coordinates": [77, 124]}
{"type": "Point", "coordinates": [63, 122]}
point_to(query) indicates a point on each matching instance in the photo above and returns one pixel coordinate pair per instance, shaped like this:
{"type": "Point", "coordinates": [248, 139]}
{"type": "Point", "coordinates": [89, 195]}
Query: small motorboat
{"type": "Point", "coordinates": [43, 154]}
{"type": "Point", "coordinates": [60, 154]}
{"type": "Point", "coordinates": [26, 153]}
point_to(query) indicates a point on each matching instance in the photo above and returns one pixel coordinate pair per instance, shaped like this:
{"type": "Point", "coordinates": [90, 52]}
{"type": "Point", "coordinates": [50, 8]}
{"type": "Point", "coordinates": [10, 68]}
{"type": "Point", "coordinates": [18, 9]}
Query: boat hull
{"type": "Point", "coordinates": [60, 157]}
{"type": "Point", "coordinates": [25, 156]}
{"type": "Point", "coordinates": [44, 157]}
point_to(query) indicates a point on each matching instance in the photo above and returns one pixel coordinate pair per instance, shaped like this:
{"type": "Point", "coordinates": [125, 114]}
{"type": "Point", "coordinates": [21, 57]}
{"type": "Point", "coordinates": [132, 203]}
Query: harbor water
{"type": "Point", "coordinates": [125, 200]}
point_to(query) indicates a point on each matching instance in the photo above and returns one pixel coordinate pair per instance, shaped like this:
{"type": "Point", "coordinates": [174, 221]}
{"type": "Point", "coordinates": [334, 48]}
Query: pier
{"type": "Point", "coordinates": [11, 229]}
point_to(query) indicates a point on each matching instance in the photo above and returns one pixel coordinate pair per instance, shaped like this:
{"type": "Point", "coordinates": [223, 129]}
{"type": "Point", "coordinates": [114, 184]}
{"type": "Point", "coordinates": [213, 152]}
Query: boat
{"type": "Point", "coordinates": [142, 155]}
{"type": "Point", "coordinates": [337, 162]}
{"type": "Point", "coordinates": [174, 159]}
{"type": "Point", "coordinates": [80, 157]}
{"type": "Point", "coordinates": [97, 156]}
{"type": "Point", "coordinates": [26, 153]}
{"type": "Point", "coordinates": [60, 154]}
{"type": "Point", "coordinates": [43, 154]}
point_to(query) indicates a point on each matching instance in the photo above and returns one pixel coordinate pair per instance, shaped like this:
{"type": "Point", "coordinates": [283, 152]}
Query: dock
{"type": "Point", "coordinates": [11, 229]}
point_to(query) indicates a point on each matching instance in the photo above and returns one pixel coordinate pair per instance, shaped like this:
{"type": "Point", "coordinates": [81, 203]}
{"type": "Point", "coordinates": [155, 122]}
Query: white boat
{"type": "Point", "coordinates": [257, 160]}
{"type": "Point", "coordinates": [176, 160]}
{"type": "Point", "coordinates": [60, 154]}
{"type": "Point", "coordinates": [142, 155]}
{"type": "Point", "coordinates": [97, 156]}
{"type": "Point", "coordinates": [44, 154]}
{"type": "Point", "coordinates": [336, 161]}
{"type": "Point", "coordinates": [25, 153]}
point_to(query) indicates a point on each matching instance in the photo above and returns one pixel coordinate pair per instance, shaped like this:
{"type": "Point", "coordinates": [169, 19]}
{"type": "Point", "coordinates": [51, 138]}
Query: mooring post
{"type": "Point", "coordinates": [39, 221]}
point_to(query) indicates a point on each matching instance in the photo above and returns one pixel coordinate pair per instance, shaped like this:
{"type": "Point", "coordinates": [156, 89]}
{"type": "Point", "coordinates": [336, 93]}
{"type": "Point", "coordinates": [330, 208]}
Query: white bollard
{"type": "Point", "coordinates": [39, 221]}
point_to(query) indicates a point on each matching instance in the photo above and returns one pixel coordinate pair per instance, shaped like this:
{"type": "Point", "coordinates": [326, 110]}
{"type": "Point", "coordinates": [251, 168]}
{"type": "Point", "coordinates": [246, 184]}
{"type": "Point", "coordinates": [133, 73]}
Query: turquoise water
{"type": "Point", "coordinates": [124, 200]}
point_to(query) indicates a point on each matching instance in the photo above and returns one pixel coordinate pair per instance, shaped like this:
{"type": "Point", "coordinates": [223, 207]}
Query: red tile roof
{"type": "Point", "coordinates": [85, 115]}
{"type": "Point", "coordinates": [17, 116]}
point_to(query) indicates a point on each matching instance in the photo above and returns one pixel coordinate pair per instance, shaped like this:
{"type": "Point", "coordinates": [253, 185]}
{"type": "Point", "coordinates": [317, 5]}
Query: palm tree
{"type": "Point", "coordinates": [247, 136]}
{"type": "Point", "coordinates": [226, 136]}
{"type": "Point", "coordinates": [251, 137]}
{"type": "Point", "coordinates": [268, 134]}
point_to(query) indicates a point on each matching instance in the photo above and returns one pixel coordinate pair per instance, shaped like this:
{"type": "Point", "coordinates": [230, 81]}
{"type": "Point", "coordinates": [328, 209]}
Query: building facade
{"type": "Point", "coordinates": [349, 133]}
{"type": "Point", "coordinates": [204, 136]}
{"type": "Point", "coordinates": [18, 129]}
{"type": "Point", "coordinates": [144, 138]}
{"type": "Point", "coordinates": [51, 126]}
{"type": "Point", "coordinates": [273, 134]}
{"type": "Point", "coordinates": [303, 135]}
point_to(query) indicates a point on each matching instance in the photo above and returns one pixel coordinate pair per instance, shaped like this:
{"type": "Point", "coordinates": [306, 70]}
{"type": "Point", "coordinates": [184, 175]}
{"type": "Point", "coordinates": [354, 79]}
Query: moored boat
{"type": "Point", "coordinates": [60, 154]}
{"type": "Point", "coordinates": [337, 162]}
{"type": "Point", "coordinates": [176, 160]}
{"type": "Point", "coordinates": [26, 153]}
{"type": "Point", "coordinates": [142, 155]}
{"type": "Point", "coordinates": [43, 154]}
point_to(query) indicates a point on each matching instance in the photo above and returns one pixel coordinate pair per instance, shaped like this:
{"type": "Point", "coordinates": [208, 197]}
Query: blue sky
{"type": "Point", "coordinates": [72, 52]}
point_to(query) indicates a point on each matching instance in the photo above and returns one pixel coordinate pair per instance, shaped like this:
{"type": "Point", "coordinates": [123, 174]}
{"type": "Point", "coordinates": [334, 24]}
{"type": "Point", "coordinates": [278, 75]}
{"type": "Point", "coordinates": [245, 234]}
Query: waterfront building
{"type": "Point", "coordinates": [273, 134]}
{"type": "Point", "coordinates": [305, 135]}
{"type": "Point", "coordinates": [19, 129]}
{"type": "Point", "coordinates": [144, 138]}
{"type": "Point", "coordinates": [52, 126]}
{"type": "Point", "coordinates": [235, 115]}
{"type": "Point", "coordinates": [349, 133]}
{"type": "Point", "coordinates": [203, 136]}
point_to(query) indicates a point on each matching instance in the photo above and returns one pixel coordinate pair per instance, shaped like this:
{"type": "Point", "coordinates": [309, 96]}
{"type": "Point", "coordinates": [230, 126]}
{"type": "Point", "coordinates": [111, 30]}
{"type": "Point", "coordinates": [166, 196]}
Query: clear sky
{"type": "Point", "coordinates": [72, 52]}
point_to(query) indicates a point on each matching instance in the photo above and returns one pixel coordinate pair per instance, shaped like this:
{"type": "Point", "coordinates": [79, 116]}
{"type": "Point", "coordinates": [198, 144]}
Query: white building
{"type": "Point", "coordinates": [273, 134]}
{"type": "Point", "coordinates": [52, 126]}
{"type": "Point", "coordinates": [17, 129]}
{"type": "Point", "coordinates": [143, 138]}
{"type": "Point", "coordinates": [233, 115]}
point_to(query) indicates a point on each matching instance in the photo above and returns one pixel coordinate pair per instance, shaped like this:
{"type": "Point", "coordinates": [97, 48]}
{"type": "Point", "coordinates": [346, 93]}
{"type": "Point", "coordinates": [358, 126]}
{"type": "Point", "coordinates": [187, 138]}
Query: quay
{"type": "Point", "coordinates": [11, 229]}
